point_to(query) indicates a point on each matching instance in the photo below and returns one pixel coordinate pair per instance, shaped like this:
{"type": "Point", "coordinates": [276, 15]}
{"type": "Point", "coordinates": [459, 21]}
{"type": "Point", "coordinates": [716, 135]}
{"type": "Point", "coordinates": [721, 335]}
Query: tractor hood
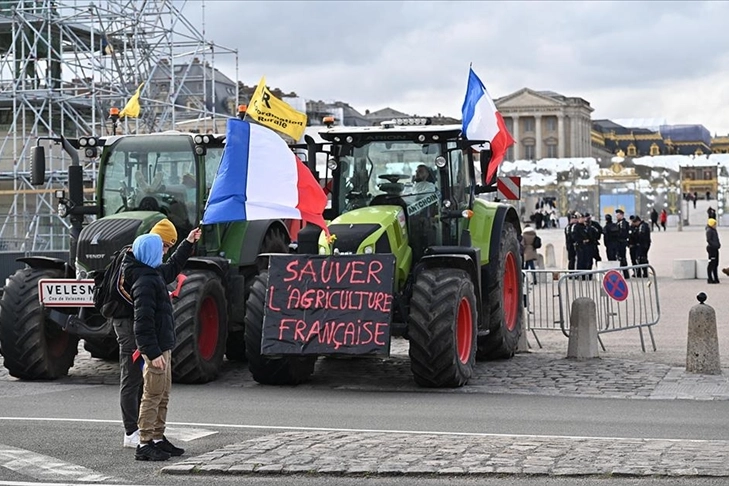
{"type": "Point", "coordinates": [355, 230]}
{"type": "Point", "coordinates": [100, 239]}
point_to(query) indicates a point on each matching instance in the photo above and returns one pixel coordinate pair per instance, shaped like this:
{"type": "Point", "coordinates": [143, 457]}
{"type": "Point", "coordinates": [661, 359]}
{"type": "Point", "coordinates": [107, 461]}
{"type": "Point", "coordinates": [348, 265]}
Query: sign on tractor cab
{"type": "Point", "coordinates": [318, 304]}
{"type": "Point", "coordinates": [66, 292]}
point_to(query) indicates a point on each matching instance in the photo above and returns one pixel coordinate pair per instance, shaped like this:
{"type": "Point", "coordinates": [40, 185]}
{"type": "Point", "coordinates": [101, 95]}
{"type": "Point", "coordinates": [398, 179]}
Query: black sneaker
{"type": "Point", "coordinates": [166, 446]}
{"type": "Point", "coordinates": [149, 452]}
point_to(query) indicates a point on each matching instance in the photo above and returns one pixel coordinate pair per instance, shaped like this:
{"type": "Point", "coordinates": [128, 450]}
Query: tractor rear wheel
{"type": "Point", "coordinates": [504, 301]}
{"type": "Point", "coordinates": [285, 370]}
{"type": "Point", "coordinates": [33, 347]}
{"type": "Point", "coordinates": [273, 242]}
{"type": "Point", "coordinates": [201, 323]}
{"type": "Point", "coordinates": [442, 327]}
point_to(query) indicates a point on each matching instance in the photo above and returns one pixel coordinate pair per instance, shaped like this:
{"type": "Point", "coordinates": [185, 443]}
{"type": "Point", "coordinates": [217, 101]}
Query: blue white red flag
{"type": "Point", "coordinates": [481, 121]}
{"type": "Point", "coordinates": [259, 177]}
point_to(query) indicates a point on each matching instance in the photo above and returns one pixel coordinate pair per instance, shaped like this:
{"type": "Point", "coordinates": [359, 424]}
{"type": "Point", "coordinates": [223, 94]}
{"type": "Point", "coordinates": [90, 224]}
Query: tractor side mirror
{"type": "Point", "coordinates": [484, 158]}
{"type": "Point", "coordinates": [37, 165]}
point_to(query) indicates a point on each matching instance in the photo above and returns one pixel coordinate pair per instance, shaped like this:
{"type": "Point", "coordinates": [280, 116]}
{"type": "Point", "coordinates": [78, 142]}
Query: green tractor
{"type": "Point", "coordinates": [408, 190]}
{"type": "Point", "coordinates": [47, 307]}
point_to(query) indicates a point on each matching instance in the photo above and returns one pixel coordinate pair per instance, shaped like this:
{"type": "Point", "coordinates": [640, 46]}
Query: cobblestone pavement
{"type": "Point", "coordinates": [417, 454]}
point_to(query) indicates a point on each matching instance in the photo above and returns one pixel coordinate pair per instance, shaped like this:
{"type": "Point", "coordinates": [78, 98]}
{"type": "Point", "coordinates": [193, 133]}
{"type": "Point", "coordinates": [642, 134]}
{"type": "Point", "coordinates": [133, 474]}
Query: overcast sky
{"type": "Point", "coordinates": [627, 59]}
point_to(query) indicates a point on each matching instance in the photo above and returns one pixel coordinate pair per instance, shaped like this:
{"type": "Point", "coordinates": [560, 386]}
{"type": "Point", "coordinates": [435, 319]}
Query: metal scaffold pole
{"type": "Point", "coordinates": [64, 64]}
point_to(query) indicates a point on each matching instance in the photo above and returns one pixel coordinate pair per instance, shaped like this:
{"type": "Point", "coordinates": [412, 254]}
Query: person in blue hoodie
{"type": "Point", "coordinates": [154, 332]}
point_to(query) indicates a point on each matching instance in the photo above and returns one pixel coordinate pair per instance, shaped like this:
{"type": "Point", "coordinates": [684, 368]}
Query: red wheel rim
{"type": "Point", "coordinates": [464, 330]}
{"type": "Point", "coordinates": [207, 339]}
{"type": "Point", "coordinates": [511, 292]}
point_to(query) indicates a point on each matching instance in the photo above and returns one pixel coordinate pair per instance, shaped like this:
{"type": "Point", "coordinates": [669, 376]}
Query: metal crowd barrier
{"type": "Point", "coordinates": [548, 297]}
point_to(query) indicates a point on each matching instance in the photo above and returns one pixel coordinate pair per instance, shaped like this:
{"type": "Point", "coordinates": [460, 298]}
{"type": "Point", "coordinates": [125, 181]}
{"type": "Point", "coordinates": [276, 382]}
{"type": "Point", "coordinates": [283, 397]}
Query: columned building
{"type": "Point", "coordinates": [545, 124]}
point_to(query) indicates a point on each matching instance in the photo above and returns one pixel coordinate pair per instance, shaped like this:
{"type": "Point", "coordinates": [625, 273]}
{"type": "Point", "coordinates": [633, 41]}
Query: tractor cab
{"type": "Point", "coordinates": [408, 164]}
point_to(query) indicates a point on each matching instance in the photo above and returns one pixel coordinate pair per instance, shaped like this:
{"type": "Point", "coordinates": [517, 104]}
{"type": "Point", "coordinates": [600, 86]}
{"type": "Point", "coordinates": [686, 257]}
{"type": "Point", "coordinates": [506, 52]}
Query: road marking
{"type": "Point", "coordinates": [187, 434]}
{"type": "Point", "coordinates": [26, 483]}
{"type": "Point", "coordinates": [377, 431]}
{"type": "Point", "coordinates": [39, 466]}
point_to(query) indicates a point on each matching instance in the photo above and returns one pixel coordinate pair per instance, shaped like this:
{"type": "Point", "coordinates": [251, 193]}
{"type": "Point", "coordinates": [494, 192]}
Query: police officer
{"type": "Point", "coordinates": [610, 230]}
{"type": "Point", "coordinates": [623, 236]}
{"type": "Point", "coordinates": [594, 229]}
{"type": "Point", "coordinates": [642, 239]}
{"type": "Point", "coordinates": [570, 243]}
{"type": "Point", "coordinates": [584, 245]}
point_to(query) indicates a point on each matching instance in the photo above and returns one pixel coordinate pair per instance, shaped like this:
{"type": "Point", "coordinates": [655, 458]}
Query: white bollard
{"type": "Point", "coordinates": [549, 258]}
{"type": "Point", "coordinates": [702, 349]}
{"type": "Point", "coordinates": [583, 330]}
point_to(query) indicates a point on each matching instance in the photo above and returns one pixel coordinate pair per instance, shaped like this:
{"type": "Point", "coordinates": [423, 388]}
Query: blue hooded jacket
{"type": "Point", "coordinates": [148, 249]}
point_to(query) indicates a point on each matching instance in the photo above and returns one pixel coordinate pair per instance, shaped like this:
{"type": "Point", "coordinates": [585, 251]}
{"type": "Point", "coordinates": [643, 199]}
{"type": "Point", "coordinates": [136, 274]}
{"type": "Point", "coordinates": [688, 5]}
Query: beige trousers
{"type": "Point", "coordinates": [155, 397]}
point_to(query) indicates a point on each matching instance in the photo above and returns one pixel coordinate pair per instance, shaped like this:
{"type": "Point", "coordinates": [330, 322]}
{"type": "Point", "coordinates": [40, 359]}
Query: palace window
{"type": "Point", "coordinates": [552, 151]}
{"type": "Point", "coordinates": [528, 124]}
{"type": "Point", "coordinates": [655, 150]}
{"type": "Point", "coordinates": [631, 150]}
{"type": "Point", "coordinates": [551, 124]}
{"type": "Point", "coordinates": [529, 153]}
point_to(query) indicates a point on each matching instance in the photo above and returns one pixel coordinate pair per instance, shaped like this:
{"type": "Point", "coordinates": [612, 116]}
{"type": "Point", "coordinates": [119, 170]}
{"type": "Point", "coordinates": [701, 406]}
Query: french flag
{"type": "Point", "coordinates": [259, 177]}
{"type": "Point", "coordinates": [481, 121]}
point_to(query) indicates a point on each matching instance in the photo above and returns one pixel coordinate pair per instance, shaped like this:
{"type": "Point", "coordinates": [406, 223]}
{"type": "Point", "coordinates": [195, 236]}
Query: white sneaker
{"type": "Point", "coordinates": [132, 440]}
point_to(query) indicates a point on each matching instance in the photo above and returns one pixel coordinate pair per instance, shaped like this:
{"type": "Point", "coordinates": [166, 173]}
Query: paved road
{"type": "Point", "coordinates": [623, 372]}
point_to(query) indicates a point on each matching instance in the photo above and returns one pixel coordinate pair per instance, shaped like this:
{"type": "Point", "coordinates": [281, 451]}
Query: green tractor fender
{"type": "Point", "coordinates": [254, 237]}
{"type": "Point", "coordinates": [48, 263]}
{"type": "Point", "coordinates": [217, 265]}
{"type": "Point", "coordinates": [503, 215]}
{"type": "Point", "coordinates": [460, 257]}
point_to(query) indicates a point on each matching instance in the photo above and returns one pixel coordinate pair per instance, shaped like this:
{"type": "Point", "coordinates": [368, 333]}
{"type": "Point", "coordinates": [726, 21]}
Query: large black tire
{"type": "Point", "coordinates": [274, 242]}
{"type": "Point", "coordinates": [286, 370]}
{"type": "Point", "coordinates": [201, 322]}
{"type": "Point", "coordinates": [442, 327]}
{"type": "Point", "coordinates": [504, 301]}
{"type": "Point", "coordinates": [34, 348]}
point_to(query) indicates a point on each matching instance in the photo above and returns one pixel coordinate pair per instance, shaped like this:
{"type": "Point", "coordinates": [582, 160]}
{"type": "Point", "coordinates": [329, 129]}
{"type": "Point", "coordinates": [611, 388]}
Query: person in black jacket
{"type": "Point", "coordinates": [641, 239]}
{"type": "Point", "coordinates": [130, 381]}
{"type": "Point", "coordinates": [612, 238]}
{"type": "Point", "coordinates": [623, 237]}
{"type": "Point", "coordinates": [154, 332]}
{"type": "Point", "coordinates": [712, 248]}
{"type": "Point", "coordinates": [594, 230]}
{"type": "Point", "coordinates": [570, 243]}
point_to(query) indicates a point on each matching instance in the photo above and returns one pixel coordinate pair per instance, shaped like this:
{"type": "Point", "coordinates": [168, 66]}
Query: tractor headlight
{"type": "Point", "coordinates": [81, 272]}
{"type": "Point", "coordinates": [198, 139]}
{"type": "Point", "coordinates": [332, 164]}
{"type": "Point", "coordinates": [83, 142]}
{"type": "Point", "coordinates": [440, 161]}
{"type": "Point", "coordinates": [62, 210]}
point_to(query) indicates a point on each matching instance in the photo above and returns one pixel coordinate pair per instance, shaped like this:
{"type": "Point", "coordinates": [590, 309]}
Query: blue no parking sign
{"type": "Point", "coordinates": [615, 285]}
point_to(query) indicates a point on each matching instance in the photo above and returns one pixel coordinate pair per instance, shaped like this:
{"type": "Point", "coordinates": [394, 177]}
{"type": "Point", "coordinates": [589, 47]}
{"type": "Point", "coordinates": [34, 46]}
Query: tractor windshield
{"type": "Point", "coordinates": [385, 172]}
{"type": "Point", "coordinates": [152, 173]}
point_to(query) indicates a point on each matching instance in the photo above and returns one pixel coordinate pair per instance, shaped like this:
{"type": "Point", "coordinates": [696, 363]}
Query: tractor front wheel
{"type": "Point", "coordinates": [285, 370]}
{"type": "Point", "coordinates": [504, 301]}
{"type": "Point", "coordinates": [201, 323]}
{"type": "Point", "coordinates": [33, 347]}
{"type": "Point", "coordinates": [442, 327]}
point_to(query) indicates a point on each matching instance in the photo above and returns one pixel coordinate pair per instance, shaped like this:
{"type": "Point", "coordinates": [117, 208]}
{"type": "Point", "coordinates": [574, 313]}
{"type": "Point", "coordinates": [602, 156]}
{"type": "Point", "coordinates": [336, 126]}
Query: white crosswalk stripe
{"type": "Point", "coordinates": [44, 467]}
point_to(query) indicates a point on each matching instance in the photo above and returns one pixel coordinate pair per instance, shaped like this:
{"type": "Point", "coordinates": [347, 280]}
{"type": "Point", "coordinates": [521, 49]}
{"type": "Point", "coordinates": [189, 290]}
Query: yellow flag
{"type": "Point", "coordinates": [132, 108]}
{"type": "Point", "coordinates": [274, 113]}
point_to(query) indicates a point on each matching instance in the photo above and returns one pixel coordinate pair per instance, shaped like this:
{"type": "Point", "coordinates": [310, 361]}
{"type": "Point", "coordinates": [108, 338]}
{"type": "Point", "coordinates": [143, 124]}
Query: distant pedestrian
{"type": "Point", "coordinates": [694, 198]}
{"type": "Point", "coordinates": [712, 249]}
{"type": "Point", "coordinates": [654, 219]}
{"type": "Point", "coordinates": [532, 242]}
{"type": "Point", "coordinates": [569, 241]}
{"type": "Point", "coordinates": [663, 218]}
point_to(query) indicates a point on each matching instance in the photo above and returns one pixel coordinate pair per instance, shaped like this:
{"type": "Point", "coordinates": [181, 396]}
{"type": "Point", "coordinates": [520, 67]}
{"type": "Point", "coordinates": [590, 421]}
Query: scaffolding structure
{"type": "Point", "coordinates": [64, 64]}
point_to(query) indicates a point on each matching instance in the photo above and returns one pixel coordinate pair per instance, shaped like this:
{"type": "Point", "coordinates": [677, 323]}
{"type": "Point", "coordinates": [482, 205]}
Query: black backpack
{"type": "Point", "coordinates": [111, 296]}
{"type": "Point", "coordinates": [537, 243]}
